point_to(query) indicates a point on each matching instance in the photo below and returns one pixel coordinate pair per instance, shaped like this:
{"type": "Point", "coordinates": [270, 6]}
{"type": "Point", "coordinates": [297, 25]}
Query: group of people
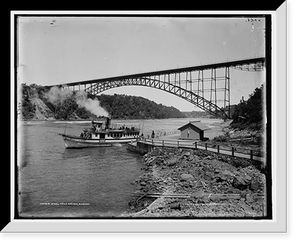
{"type": "Point", "coordinates": [85, 134]}
{"type": "Point", "coordinates": [148, 136]}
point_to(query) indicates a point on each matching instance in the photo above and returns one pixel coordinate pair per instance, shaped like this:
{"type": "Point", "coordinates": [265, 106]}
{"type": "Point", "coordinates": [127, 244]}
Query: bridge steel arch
{"type": "Point", "coordinates": [199, 85]}
{"type": "Point", "coordinates": [176, 90]}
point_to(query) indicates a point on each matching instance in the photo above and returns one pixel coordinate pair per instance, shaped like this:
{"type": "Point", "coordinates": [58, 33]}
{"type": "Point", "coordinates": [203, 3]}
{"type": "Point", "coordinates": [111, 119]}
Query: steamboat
{"type": "Point", "coordinates": [102, 134]}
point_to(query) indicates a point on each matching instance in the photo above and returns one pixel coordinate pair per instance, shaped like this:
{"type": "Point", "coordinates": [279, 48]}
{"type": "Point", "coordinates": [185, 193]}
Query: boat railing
{"type": "Point", "coordinates": [129, 128]}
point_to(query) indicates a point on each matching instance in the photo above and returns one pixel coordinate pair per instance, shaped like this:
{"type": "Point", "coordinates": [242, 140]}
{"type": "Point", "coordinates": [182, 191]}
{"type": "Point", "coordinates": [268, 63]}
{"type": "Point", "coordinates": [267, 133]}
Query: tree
{"type": "Point", "coordinates": [250, 113]}
{"type": "Point", "coordinates": [27, 108]}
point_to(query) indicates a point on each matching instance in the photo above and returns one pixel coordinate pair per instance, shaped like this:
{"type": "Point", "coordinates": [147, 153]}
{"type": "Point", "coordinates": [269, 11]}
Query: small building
{"type": "Point", "coordinates": [194, 130]}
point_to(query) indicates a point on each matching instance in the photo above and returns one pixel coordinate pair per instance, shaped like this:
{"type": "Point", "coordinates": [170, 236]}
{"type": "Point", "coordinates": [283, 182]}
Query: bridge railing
{"type": "Point", "coordinates": [233, 151]}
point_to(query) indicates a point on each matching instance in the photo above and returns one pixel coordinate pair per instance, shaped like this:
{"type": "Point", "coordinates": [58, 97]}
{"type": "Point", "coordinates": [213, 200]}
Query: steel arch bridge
{"type": "Point", "coordinates": [199, 85]}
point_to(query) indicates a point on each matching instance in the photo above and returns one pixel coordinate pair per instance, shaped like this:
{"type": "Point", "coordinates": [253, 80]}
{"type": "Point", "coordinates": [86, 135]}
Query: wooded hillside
{"type": "Point", "coordinates": [35, 103]}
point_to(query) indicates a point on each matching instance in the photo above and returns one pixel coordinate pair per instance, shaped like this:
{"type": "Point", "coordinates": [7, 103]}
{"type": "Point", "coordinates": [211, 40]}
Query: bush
{"type": "Point", "coordinates": [222, 138]}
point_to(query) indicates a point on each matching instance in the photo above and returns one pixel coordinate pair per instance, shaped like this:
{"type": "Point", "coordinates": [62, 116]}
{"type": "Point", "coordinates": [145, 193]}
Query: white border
{"type": "Point", "coordinates": [279, 158]}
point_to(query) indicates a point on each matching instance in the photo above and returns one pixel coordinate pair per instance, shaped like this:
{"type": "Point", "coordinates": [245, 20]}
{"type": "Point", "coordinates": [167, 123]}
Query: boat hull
{"type": "Point", "coordinates": [78, 143]}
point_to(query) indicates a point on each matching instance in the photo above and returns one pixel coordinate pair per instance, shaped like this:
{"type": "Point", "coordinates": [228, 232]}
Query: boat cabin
{"type": "Point", "coordinates": [104, 130]}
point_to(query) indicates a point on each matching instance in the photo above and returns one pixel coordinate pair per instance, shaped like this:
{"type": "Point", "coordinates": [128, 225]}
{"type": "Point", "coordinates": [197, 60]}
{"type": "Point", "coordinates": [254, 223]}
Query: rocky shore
{"type": "Point", "coordinates": [198, 184]}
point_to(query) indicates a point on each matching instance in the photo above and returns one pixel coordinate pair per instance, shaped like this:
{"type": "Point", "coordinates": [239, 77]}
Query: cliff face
{"type": "Point", "coordinates": [42, 112]}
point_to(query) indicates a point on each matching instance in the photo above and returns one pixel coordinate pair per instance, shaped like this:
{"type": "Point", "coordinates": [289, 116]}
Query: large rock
{"type": "Point", "coordinates": [224, 176]}
{"type": "Point", "coordinates": [186, 154]}
{"type": "Point", "coordinates": [198, 194]}
{"type": "Point", "coordinates": [258, 183]}
{"type": "Point", "coordinates": [172, 161]}
{"type": "Point", "coordinates": [175, 206]}
{"type": "Point", "coordinates": [241, 182]}
{"type": "Point", "coordinates": [186, 177]}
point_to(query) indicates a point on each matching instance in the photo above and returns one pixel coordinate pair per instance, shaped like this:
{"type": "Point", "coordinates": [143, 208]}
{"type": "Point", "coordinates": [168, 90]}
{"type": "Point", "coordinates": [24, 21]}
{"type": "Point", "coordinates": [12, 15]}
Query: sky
{"type": "Point", "coordinates": [59, 49]}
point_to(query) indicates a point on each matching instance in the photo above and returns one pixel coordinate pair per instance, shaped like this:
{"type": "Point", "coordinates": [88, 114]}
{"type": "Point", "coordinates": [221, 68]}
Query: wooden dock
{"type": "Point", "coordinates": [144, 145]}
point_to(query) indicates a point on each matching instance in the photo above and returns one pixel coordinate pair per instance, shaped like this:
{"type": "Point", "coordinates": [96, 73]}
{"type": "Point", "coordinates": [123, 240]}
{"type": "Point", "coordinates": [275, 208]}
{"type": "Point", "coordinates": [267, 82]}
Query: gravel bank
{"type": "Point", "coordinates": [214, 185]}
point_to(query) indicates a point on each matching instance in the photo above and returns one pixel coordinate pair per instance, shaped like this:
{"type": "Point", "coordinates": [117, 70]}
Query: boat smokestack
{"type": "Point", "coordinates": [107, 123]}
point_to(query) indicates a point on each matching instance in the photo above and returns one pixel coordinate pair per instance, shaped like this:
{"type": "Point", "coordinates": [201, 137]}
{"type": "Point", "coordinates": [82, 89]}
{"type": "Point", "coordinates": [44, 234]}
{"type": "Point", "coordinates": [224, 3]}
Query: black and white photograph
{"type": "Point", "coordinates": [142, 117]}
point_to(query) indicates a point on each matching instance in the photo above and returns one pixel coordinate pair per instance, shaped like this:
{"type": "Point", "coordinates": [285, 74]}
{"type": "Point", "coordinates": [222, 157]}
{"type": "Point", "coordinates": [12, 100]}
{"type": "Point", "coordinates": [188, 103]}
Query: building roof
{"type": "Point", "coordinates": [197, 124]}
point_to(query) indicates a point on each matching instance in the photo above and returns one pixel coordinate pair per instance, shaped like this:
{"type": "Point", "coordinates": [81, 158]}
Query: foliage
{"type": "Point", "coordinates": [27, 108]}
{"type": "Point", "coordinates": [132, 107]}
{"type": "Point", "coordinates": [65, 109]}
{"type": "Point", "coordinates": [249, 114]}
{"type": "Point", "coordinates": [221, 138]}
{"type": "Point", "coordinates": [118, 106]}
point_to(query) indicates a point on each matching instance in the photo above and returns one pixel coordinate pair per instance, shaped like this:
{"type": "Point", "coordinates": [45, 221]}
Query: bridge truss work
{"type": "Point", "coordinates": [205, 86]}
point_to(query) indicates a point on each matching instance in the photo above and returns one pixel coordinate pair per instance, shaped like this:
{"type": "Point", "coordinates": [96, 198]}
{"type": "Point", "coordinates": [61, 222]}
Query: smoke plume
{"type": "Point", "coordinates": [92, 105]}
{"type": "Point", "coordinates": [57, 96]}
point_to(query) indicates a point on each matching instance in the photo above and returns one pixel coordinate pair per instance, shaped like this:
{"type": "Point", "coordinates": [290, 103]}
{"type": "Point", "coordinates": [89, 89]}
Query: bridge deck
{"type": "Point", "coordinates": [170, 71]}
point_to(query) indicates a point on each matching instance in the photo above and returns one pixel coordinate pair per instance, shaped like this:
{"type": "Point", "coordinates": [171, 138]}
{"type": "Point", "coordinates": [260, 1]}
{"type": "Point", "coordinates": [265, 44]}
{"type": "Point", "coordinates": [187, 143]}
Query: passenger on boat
{"type": "Point", "coordinates": [98, 128]}
{"type": "Point", "coordinates": [86, 134]}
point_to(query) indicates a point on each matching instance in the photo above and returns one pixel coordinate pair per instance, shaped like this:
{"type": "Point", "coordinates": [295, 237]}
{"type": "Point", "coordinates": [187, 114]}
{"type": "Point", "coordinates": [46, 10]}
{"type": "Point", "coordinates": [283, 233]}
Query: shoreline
{"type": "Point", "coordinates": [218, 186]}
{"type": "Point", "coordinates": [46, 119]}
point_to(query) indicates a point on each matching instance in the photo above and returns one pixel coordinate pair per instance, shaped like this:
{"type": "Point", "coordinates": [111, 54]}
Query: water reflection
{"type": "Point", "coordinates": [75, 153]}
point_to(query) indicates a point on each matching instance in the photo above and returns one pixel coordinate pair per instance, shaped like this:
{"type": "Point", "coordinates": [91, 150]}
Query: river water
{"type": "Point", "coordinates": [54, 182]}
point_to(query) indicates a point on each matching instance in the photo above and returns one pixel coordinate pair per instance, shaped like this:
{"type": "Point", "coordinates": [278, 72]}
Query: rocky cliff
{"type": "Point", "coordinates": [41, 110]}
